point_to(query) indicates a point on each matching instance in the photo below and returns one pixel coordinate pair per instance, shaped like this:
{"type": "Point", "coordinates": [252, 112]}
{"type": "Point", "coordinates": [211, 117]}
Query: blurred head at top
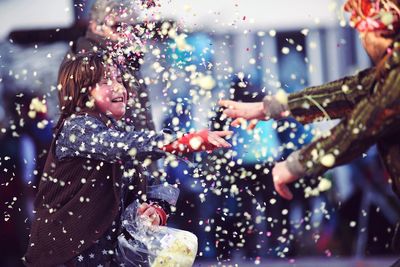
{"type": "Point", "coordinates": [114, 19]}
{"type": "Point", "coordinates": [377, 21]}
{"type": "Point", "coordinates": [374, 15]}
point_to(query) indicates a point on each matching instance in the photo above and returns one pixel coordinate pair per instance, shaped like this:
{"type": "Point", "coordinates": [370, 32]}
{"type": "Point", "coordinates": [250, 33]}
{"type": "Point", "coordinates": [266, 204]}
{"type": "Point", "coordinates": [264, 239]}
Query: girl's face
{"type": "Point", "coordinates": [110, 96]}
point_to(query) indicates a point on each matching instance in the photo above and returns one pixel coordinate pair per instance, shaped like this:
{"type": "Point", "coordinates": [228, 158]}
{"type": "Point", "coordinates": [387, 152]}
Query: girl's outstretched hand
{"type": "Point", "coordinates": [203, 140]}
{"type": "Point", "coordinates": [215, 139]}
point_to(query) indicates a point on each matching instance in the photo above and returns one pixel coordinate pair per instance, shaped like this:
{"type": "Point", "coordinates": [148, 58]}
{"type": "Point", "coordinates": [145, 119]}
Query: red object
{"type": "Point", "coordinates": [183, 144]}
{"type": "Point", "coordinates": [161, 213]}
{"type": "Point", "coordinates": [366, 15]}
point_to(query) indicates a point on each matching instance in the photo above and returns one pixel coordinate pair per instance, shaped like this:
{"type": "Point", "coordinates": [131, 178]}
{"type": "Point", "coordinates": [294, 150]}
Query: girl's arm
{"type": "Point", "coordinates": [203, 140]}
{"type": "Point", "coordinates": [86, 136]}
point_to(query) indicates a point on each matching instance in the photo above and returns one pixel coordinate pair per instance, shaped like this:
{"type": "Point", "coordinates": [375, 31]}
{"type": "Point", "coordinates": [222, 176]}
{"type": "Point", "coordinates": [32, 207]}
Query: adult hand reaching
{"type": "Point", "coordinates": [243, 111]}
{"type": "Point", "coordinates": [282, 177]}
{"type": "Point", "coordinates": [248, 111]}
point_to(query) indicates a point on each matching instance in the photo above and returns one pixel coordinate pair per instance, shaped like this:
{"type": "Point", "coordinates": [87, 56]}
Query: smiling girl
{"type": "Point", "coordinates": [93, 169]}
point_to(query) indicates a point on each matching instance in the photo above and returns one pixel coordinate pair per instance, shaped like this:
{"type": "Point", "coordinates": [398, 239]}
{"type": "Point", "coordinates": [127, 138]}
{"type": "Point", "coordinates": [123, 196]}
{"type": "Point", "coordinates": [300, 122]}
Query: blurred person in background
{"type": "Point", "coordinates": [22, 157]}
{"type": "Point", "coordinates": [246, 207]}
{"type": "Point", "coordinates": [238, 212]}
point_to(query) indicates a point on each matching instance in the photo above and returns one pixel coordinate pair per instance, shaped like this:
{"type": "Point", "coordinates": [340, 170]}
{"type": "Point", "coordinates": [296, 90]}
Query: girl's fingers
{"type": "Point", "coordinates": [222, 133]}
{"type": "Point", "coordinates": [212, 141]}
{"type": "Point", "coordinates": [142, 208]}
{"type": "Point", "coordinates": [217, 141]}
{"type": "Point", "coordinates": [223, 142]}
{"type": "Point", "coordinates": [152, 214]}
{"type": "Point", "coordinates": [149, 212]}
{"type": "Point", "coordinates": [156, 220]}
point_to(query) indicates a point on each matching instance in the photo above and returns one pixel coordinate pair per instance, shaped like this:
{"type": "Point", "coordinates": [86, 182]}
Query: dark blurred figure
{"type": "Point", "coordinates": [246, 187]}
{"type": "Point", "coordinates": [22, 155]}
{"type": "Point", "coordinates": [257, 222]}
{"type": "Point", "coordinates": [187, 209]}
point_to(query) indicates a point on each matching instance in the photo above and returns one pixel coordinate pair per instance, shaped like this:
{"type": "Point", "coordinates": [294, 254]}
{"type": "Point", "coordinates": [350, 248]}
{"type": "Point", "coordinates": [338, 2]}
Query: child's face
{"type": "Point", "coordinates": [110, 96]}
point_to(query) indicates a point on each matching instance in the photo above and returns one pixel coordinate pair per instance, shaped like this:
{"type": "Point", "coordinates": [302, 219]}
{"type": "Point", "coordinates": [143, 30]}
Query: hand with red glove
{"type": "Point", "coordinates": [156, 214]}
{"type": "Point", "coordinates": [203, 140]}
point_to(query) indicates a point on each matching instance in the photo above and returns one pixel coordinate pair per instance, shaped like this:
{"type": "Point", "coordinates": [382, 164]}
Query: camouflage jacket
{"type": "Point", "coordinates": [369, 113]}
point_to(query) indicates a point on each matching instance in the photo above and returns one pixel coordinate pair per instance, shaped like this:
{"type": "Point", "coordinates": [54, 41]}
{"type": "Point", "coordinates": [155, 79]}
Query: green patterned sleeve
{"type": "Point", "coordinates": [375, 116]}
{"type": "Point", "coordinates": [332, 100]}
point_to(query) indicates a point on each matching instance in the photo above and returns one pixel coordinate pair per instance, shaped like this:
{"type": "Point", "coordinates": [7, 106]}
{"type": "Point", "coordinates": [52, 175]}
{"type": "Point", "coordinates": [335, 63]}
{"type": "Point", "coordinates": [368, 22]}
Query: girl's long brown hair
{"type": "Point", "coordinates": [75, 79]}
{"type": "Point", "coordinates": [77, 76]}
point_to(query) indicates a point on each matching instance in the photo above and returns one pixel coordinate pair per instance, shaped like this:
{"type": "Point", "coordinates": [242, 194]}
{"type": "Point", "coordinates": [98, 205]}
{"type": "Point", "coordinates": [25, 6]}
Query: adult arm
{"type": "Point", "coordinates": [374, 117]}
{"type": "Point", "coordinates": [333, 100]}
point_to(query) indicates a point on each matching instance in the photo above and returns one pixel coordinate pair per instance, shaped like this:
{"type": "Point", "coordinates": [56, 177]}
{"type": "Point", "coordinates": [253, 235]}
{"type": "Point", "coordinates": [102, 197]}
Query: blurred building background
{"type": "Point", "coordinates": [238, 49]}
